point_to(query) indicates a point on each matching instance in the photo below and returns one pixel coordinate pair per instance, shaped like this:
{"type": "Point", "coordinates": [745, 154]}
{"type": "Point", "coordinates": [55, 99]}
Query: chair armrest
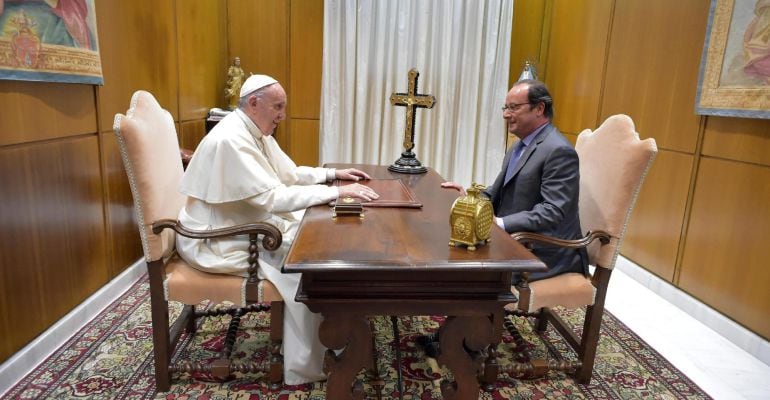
{"type": "Point", "coordinates": [271, 241]}
{"type": "Point", "coordinates": [529, 238]}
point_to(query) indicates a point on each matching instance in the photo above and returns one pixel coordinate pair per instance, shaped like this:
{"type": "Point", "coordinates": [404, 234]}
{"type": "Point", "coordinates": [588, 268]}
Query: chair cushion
{"type": "Point", "coordinates": [570, 290]}
{"type": "Point", "coordinates": [188, 285]}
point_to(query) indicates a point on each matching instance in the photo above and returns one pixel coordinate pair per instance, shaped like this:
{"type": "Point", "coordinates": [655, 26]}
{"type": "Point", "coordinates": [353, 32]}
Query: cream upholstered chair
{"type": "Point", "coordinates": [613, 165]}
{"type": "Point", "coordinates": [151, 157]}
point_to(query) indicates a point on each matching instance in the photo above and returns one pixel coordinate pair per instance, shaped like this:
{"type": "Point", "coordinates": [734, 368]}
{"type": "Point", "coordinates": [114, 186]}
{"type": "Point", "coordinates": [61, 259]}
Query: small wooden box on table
{"type": "Point", "coordinates": [397, 261]}
{"type": "Point", "coordinates": [348, 206]}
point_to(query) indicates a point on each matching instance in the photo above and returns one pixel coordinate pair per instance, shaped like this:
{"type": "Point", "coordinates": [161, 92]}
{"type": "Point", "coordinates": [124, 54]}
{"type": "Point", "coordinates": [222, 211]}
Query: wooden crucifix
{"type": "Point", "coordinates": [408, 163]}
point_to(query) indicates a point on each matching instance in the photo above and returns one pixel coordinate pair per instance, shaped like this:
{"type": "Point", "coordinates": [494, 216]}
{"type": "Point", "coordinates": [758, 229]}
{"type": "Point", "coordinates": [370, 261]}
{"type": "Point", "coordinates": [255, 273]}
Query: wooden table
{"type": "Point", "coordinates": [397, 261]}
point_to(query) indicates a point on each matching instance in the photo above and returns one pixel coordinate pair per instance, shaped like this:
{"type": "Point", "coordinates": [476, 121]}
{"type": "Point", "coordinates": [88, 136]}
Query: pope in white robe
{"type": "Point", "coordinates": [240, 175]}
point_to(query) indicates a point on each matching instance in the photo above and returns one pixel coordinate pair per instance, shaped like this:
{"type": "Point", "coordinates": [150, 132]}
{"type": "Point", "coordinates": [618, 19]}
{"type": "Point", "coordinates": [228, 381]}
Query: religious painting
{"type": "Point", "coordinates": [49, 40]}
{"type": "Point", "coordinates": [735, 66]}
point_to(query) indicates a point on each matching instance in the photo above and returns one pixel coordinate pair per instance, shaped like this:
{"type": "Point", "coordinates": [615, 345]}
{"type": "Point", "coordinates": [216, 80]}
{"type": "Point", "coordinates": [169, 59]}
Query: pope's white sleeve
{"type": "Point", "coordinates": [311, 175]}
{"type": "Point", "coordinates": [292, 198]}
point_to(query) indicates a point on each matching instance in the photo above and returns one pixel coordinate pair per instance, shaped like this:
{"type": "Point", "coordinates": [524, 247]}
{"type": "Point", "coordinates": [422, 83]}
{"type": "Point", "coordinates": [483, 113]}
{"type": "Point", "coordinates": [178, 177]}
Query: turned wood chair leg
{"type": "Point", "coordinates": [222, 367]}
{"type": "Point", "coordinates": [161, 334]}
{"type": "Point", "coordinates": [161, 342]}
{"type": "Point", "coordinates": [541, 322]}
{"type": "Point", "coordinates": [491, 369]}
{"type": "Point", "coordinates": [276, 341]}
{"type": "Point", "coordinates": [397, 340]}
{"type": "Point", "coordinates": [589, 343]}
{"type": "Point", "coordinates": [191, 328]}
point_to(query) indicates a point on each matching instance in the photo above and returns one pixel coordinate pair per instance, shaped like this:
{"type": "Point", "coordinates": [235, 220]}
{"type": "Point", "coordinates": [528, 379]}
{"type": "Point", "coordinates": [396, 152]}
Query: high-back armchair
{"type": "Point", "coordinates": [150, 151]}
{"type": "Point", "coordinates": [613, 164]}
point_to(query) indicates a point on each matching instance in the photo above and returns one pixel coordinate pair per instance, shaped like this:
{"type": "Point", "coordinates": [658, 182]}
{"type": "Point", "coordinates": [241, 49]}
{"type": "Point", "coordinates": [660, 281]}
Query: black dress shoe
{"type": "Point", "coordinates": [431, 350]}
{"type": "Point", "coordinates": [422, 340]}
{"type": "Point", "coordinates": [428, 344]}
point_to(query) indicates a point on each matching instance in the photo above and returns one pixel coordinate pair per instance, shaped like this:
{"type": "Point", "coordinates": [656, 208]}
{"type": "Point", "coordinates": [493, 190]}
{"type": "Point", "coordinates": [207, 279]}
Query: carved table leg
{"type": "Point", "coordinates": [461, 341]}
{"type": "Point", "coordinates": [352, 334]}
{"type": "Point", "coordinates": [488, 377]}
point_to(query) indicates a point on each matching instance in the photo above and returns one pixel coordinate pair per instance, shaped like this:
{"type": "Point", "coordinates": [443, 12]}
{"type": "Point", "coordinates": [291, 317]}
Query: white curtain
{"type": "Point", "coordinates": [461, 49]}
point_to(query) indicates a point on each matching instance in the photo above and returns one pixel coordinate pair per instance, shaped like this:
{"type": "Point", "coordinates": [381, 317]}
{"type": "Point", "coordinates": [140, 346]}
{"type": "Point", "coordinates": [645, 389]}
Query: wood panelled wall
{"type": "Point", "coordinates": [67, 220]}
{"type": "Point", "coordinates": [66, 213]}
{"type": "Point", "coordinates": [701, 221]}
{"type": "Point", "coordinates": [284, 39]}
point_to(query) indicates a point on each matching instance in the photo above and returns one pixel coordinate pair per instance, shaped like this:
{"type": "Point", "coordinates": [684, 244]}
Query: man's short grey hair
{"type": "Point", "coordinates": [537, 93]}
{"type": "Point", "coordinates": [259, 93]}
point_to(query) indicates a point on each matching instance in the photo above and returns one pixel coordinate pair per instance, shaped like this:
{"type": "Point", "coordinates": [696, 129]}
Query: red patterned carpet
{"type": "Point", "coordinates": [111, 358]}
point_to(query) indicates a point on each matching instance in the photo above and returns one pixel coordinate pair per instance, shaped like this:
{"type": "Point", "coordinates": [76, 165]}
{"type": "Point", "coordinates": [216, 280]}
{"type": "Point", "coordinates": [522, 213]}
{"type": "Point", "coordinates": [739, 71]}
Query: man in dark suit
{"type": "Point", "coordinates": [537, 188]}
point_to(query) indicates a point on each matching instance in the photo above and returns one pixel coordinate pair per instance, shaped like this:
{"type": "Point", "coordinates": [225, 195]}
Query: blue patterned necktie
{"type": "Point", "coordinates": [517, 152]}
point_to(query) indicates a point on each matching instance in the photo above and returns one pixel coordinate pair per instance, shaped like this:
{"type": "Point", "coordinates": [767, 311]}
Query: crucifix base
{"type": "Point", "coordinates": [408, 164]}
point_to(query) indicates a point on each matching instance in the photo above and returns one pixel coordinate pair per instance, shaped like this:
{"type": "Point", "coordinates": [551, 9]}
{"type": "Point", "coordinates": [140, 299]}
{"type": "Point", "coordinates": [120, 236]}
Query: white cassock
{"type": "Point", "coordinates": [238, 176]}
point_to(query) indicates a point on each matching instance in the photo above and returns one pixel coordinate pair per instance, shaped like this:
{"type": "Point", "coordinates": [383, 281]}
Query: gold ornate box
{"type": "Point", "coordinates": [471, 219]}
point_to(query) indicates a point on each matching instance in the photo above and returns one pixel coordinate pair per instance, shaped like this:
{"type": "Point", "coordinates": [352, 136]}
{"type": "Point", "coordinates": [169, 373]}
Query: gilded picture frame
{"type": "Point", "coordinates": [734, 79]}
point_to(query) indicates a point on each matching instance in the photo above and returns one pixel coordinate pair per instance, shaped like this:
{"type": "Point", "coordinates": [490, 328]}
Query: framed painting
{"type": "Point", "coordinates": [734, 77]}
{"type": "Point", "coordinates": [49, 40]}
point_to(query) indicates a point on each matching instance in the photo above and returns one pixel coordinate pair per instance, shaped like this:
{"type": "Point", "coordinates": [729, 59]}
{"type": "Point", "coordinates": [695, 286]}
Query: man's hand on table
{"type": "Point", "coordinates": [351, 174]}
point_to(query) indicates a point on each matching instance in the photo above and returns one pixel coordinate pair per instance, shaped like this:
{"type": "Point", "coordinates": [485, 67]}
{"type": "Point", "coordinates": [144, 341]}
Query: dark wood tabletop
{"type": "Point", "coordinates": [399, 239]}
{"type": "Point", "coordinates": [397, 261]}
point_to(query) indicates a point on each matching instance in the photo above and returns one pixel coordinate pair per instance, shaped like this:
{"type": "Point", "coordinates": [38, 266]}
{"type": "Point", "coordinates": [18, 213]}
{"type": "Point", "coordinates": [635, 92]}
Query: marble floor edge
{"type": "Point", "coordinates": [673, 324]}
{"type": "Point", "coordinates": [711, 318]}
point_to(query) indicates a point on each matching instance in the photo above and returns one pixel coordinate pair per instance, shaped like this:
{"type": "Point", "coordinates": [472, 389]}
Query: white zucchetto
{"type": "Point", "coordinates": [256, 82]}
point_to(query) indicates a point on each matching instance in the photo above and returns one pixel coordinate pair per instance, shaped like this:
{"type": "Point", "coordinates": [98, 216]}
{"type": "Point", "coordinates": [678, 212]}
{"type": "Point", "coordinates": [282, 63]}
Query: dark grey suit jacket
{"type": "Point", "coordinates": [542, 197]}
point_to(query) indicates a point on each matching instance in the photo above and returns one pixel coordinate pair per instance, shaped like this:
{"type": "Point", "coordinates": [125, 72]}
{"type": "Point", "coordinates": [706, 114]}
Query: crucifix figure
{"type": "Point", "coordinates": [408, 163]}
